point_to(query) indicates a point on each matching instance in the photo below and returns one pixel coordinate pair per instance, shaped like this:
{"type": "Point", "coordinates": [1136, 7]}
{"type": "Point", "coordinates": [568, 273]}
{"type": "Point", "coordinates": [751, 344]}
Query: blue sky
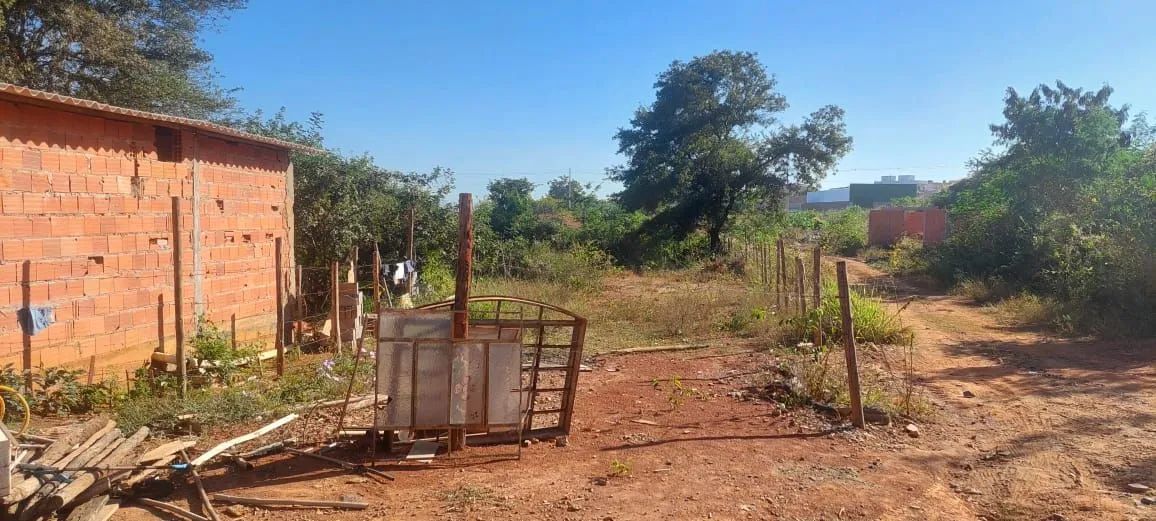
{"type": "Point", "coordinates": [493, 89]}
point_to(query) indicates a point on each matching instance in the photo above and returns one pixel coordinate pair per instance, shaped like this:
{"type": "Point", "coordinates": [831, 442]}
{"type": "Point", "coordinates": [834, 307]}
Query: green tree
{"type": "Point", "coordinates": [133, 53]}
{"type": "Point", "coordinates": [513, 212]}
{"type": "Point", "coordinates": [571, 192]}
{"type": "Point", "coordinates": [710, 143]}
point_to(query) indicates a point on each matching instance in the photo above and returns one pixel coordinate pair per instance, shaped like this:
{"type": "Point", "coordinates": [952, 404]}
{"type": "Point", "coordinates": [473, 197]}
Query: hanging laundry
{"type": "Point", "coordinates": [410, 267]}
{"type": "Point", "coordinates": [35, 320]}
{"type": "Point", "coordinates": [399, 273]}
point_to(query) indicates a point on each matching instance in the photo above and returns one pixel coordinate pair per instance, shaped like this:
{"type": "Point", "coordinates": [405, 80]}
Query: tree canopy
{"type": "Point", "coordinates": [711, 142]}
{"type": "Point", "coordinates": [132, 53]}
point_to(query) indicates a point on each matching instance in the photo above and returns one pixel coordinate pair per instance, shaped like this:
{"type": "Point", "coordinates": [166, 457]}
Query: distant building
{"type": "Point", "coordinates": [880, 194]}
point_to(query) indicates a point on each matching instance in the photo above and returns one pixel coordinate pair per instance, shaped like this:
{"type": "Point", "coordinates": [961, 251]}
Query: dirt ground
{"type": "Point", "coordinates": [1054, 429]}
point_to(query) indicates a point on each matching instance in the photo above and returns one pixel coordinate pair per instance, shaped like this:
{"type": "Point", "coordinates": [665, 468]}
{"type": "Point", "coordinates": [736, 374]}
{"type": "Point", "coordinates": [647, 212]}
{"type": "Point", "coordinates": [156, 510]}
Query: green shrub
{"type": "Point", "coordinates": [872, 322]}
{"type": "Point", "coordinates": [983, 290]}
{"type": "Point", "coordinates": [1026, 309]}
{"type": "Point", "coordinates": [908, 256]}
{"type": "Point", "coordinates": [844, 232]}
{"type": "Point", "coordinates": [212, 348]}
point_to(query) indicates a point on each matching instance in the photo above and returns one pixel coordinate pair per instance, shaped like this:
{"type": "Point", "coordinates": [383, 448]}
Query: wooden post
{"type": "Point", "coordinates": [299, 301]}
{"type": "Point", "coordinates": [461, 319]}
{"type": "Point", "coordinates": [376, 279]}
{"type": "Point", "coordinates": [816, 290]}
{"type": "Point", "coordinates": [335, 308]}
{"type": "Point", "coordinates": [801, 285]}
{"type": "Point", "coordinates": [463, 278]}
{"type": "Point", "coordinates": [782, 260]}
{"type": "Point", "coordinates": [778, 281]}
{"type": "Point", "coordinates": [233, 330]}
{"type": "Point", "coordinates": [279, 341]}
{"type": "Point", "coordinates": [178, 299]}
{"type": "Point", "coordinates": [849, 345]}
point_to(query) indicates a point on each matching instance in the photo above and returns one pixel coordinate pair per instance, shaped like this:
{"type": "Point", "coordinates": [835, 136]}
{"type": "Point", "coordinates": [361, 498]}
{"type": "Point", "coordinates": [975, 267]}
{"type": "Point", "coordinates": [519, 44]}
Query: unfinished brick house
{"type": "Point", "coordinates": [86, 230]}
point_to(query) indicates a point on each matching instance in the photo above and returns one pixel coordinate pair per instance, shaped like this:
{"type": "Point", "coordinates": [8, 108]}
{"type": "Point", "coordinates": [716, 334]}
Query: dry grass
{"type": "Point", "coordinates": [983, 290]}
{"type": "Point", "coordinates": [1029, 310]}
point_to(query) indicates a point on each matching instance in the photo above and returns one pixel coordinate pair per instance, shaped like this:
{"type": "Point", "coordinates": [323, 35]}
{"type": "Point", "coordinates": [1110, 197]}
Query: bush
{"type": "Point", "coordinates": [214, 353]}
{"type": "Point", "coordinates": [983, 290]}
{"type": "Point", "coordinates": [908, 256]}
{"type": "Point", "coordinates": [844, 232]}
{"type": "Point", "coordinates": [872, 322]}
{"type": "Point", "coordinates": [1027, 309]}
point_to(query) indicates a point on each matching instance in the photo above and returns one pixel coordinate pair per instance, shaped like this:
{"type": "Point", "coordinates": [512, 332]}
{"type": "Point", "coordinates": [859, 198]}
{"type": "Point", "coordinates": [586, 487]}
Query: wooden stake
{"type": "Point", "coordinates": [801, 285]}
{"type": "Point", "coordinates": [849, 345]}
{"type": "Point", "coordinates": [279, 341]}
{"type": "Point", "coordinates": [178, 299]}
{"type": "Point", "coordinates": [206, 503]}
{"type": "Point", "coordinates": [335, 308]}
{"type": "Point", "coordinates": [816, 290]}
{"type": "Point", "coordinates": [299, 302]}
{"type": "Point", "coordinates": [376, 279]}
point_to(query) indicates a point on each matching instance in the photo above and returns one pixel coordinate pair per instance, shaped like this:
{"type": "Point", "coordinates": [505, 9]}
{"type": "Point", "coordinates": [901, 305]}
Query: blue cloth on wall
{"type": "Point", "coordinates": [36, 320]}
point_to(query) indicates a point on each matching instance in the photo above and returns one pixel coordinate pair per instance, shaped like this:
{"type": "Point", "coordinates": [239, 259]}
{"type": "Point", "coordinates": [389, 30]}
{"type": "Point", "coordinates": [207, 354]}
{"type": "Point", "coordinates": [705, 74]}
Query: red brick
{"type": "Point", "coordinates": [33, 203]}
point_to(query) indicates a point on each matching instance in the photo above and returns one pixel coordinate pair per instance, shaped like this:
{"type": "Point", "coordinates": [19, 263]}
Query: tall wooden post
{"type": "Point", "coordinates": [178, 299]}
{"type": "Point", "coordinates": [816, 290]}
{"type": "Point", "coordinates": [461, 327]}
{"type": "Point", "coordinates": [376, 279]}
{"type": "Point", "coordinates": [778, 280]}
{"type": "Point", "coordinates": [335, 309]}
{"type": "Point", "coordinates": [849, 345]}
{"type": "Point", "coordinates": [299, 304]}
{"type": "Point", "coordinates": [411, 249]}
{"type": "Point", "coordinates": [279, 342]}
{"type": "Point", "coordinates": [782, 260]}
{"type": "Point", "coordinates": [800, 285]}
{"type": "Point", "coordinates": [461, 324]}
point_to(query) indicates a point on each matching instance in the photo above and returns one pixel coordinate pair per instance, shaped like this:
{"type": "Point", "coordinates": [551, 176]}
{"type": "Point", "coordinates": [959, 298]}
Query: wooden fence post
{"type": "Point", "coordinates": [801, 285]}
{"type": "Point", "coordinates": [786, 293]}
{"type": "Point", "coordinates": [817, 289]}
{"type": "Point", "coordinates": [463, 279]}
{"type": "Point", "coordinates": [778, 280]}
{"type": "Point", "coordinates": [335, 308]}
{"type": "Point", "coordinates": [279, 341]}
{"type": "Point", "coordinates": [299, 303]}
{"type": "Point", "coordinates": [849, 345]}
{"type": "Point", "coordinates": [178, 299]}
{"type": "Point", "coordinates": [376, 279]}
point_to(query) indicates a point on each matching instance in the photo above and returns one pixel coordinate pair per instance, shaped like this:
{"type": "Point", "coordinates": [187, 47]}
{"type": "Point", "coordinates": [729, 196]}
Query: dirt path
{"type": "Point", "coordinates": [1056, 426]}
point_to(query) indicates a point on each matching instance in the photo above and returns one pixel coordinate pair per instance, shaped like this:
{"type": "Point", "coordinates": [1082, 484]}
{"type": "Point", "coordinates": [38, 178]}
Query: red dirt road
{"type": "Point", "coordinates": [1055, 427]}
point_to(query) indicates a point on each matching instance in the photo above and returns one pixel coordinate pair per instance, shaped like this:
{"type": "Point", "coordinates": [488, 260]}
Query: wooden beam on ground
{"type": "Point", "coordinates": [290, 502]}
{"type": "Point", "coordinates": [226, 445]}
{"type": "Point", "coordinates": [167, 449]}
{"type": "Point", "coordinates": [658, 349]}
{"type": "Point", "coordinates": [206, 504]}
{"type": "Point", "coordinates": [171, 509]}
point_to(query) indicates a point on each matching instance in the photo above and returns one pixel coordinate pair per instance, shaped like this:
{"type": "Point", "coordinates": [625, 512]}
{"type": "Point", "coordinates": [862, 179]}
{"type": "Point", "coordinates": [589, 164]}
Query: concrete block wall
{"type": "Point", "coordinates": [86, 229]}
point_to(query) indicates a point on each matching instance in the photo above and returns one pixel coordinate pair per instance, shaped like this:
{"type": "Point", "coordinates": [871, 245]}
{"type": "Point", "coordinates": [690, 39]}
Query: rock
{"type": "Point", "coordinates": [573, 508]}
{"type": "Point", "coordinates": [1138, 488]}
{"type": "Point", "coordinates": [1148, 500]}
{"type": "Point", "coordinates": [1056, 517]}
{"type": "Point", "coordinates": [356, 480]}
{"type": "Point", "coordinates": [561, 441]}
{"type": "Point", "coordinates": [233, 511]}
{"type": "Point", "coordinates": [968, 394]}
{"type": "Point", "coordinates": [351, 498]}
{"type": "Point", "coordinates": [912, 430]}
{"type": "Point", "coordinates": [973, 492]}
{"type": "Point", "coordinates": [525, 443]}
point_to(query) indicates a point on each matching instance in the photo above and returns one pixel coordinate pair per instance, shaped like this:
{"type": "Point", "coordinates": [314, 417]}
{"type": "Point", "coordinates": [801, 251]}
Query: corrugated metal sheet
{"type": "Point", "coordinates": [58, 101]}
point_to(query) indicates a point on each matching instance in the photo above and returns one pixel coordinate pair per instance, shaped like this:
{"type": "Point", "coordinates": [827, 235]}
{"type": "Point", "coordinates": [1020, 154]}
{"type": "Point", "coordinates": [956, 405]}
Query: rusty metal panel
{"type": "Point", "coordinates": [505, 382]}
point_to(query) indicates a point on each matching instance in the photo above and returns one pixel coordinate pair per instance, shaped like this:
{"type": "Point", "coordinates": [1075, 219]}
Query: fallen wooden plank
{"type": "Point", "coordinates": [644, 422]}
{"type": "Point", "coordinates": [291, 502]}
{"type": "Point", "coordinates": [106, 513]}
{"type": "Point", "coordinates": [167, 449]}
{"type": "Point", "coordinates": [226, 445]}
{"type": "Point", "coordinates": [35, 438]}
{"type": "Point", "coordinates": [88, 510]}
{"type": "Point", "coordinates": [82, 484]}
{"type": "Point", "coordinates": [172, 509]}
{"type": "Point", "coordinates": [658, 349]}
{"type": "Point", "coordinates": [144, 474]}
{"type": "Point", "coordinates": [422, 451]}
{"type": "Point", "coordinates": [65, 443]}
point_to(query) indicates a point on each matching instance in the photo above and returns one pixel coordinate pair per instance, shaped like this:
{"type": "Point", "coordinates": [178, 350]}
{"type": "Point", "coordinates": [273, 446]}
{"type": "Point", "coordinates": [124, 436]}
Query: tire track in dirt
{"type": "Point", "coordinates": [1055, 426]}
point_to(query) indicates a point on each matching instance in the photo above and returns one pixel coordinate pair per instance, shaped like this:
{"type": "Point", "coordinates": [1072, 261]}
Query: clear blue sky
{"type": "Point", "coordinates": [494, 89]}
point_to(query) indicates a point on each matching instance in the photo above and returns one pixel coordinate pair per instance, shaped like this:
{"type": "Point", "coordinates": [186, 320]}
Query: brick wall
{"type": "Point", "coordinates": [86, 228]}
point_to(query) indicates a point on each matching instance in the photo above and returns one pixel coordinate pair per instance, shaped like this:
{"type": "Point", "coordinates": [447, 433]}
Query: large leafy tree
{"type": "Point", "coordinates": [1062, 206]}
{"type": "Point", "coordinates": [711, 143]}
{"type": "Point", "coordinates": [141, 54]}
